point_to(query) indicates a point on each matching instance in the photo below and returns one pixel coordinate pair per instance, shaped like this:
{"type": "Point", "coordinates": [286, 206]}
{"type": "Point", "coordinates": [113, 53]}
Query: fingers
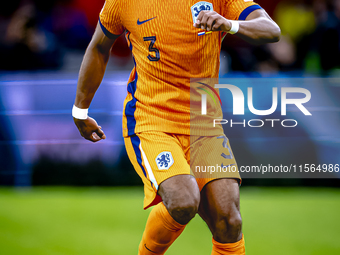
{"type": "Point", "coordinates": [217, 25]}
{"type": "Point", "coordinates": [198, 20]}
{"type": "Point", "coordinates": [209, 21]}
{"type": "Point", "coordinates": [204, 19]}
{"type": "Point", "coordinates": [99, 132]}
{"type": "Point", "coordinates": [90, 130]}
{"type": "Point", "coordinates": [96, 135]}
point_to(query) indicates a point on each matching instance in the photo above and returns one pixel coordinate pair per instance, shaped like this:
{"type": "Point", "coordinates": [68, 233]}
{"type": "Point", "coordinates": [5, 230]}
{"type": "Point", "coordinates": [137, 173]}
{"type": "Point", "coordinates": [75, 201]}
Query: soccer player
{"type": "Point", "coordinates": [168, 48]}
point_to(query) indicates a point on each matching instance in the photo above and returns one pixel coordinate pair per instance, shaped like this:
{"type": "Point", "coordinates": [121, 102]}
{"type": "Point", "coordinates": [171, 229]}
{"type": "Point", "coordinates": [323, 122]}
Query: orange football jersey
{"type": "Point", "coordinates": [167, 52]}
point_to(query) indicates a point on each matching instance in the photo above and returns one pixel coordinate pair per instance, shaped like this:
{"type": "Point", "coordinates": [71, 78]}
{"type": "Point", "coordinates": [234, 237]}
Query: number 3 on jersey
{"type": "Point", "coordinates": [152, 40]}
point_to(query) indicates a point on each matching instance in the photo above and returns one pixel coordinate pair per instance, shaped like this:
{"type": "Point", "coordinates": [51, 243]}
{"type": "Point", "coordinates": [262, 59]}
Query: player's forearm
{"type": "Point", "coordinates": [258, 28]}
{"type": "Point", "coordinates": [91, 74]}
{"type": "Point", "coordinates": [258, 31]}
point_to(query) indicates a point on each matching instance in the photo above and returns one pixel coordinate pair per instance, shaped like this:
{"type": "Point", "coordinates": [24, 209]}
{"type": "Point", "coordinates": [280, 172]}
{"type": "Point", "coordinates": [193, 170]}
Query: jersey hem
{"type": "Point", "coordinates": [212, 132]}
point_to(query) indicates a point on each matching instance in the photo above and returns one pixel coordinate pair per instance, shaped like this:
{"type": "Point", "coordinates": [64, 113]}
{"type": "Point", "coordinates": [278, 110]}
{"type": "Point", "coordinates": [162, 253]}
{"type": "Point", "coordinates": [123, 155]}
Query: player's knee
{"type": "Point", "coordinates": [228, 227]}
{"type": "Point", "coordinates": [183, 213]}
{"type": "Point", "coordinates": [183, 210]}
{"type": "Point", "coordinates": [181, 196]}
{"type": "Point", "coordinates": [235, 223]}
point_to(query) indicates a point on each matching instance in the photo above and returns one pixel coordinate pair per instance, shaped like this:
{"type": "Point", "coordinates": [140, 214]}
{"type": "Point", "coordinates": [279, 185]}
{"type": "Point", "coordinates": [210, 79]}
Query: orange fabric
{"type": "Point", "coordinates": [168, 52]}
{"type": "Point", "coordinates": [160, 232]}
{"type": "Point", "coordinates": [190, 154]}
{"type": "Point", "coordinates": [233, 8]}
{"type": "Point", "coordinates": [237, 248]}
{"type": "Point", "coordinates": [144, 154]}
{"type": "Point", "coordinates": [110, 17]}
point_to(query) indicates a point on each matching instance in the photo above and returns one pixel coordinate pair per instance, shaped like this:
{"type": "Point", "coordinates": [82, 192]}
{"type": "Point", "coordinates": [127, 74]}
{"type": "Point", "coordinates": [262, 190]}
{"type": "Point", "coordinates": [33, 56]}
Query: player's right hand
{"type": "Point", "coordinates": [89, 129]}
{"type": "Point", "coordinates": [212, 21]}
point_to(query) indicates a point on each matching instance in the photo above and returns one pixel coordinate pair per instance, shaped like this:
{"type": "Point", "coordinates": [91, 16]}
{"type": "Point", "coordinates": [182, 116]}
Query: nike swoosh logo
{"type": "Point", "coordinates": [142, 22]}
{"type": "Point", "coordinates": [148, 248]}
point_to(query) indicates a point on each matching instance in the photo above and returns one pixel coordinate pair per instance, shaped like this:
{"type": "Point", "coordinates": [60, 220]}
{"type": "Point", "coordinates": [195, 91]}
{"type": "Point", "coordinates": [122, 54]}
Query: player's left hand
{"type": "Point", "coordinates": [212, 21]}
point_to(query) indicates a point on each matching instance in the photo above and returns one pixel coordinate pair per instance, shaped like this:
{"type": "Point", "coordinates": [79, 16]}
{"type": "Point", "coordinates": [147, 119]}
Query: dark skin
{"type": "Point", "coordinates": [258, 28]}
{"type": "Point", "coordinates": [90, 76]}
{"type": "Point", "coordinates": [220, 209]}
{"type": "Point", "coordinates": [218, 202]}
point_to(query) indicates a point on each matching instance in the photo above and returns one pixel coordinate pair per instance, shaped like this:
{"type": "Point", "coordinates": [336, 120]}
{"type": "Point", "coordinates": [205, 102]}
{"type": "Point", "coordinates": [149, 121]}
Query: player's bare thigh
{"type": "Point", "coordinates": [181, 196]}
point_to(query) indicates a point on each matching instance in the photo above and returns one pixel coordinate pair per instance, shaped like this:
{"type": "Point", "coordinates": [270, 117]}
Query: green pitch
{"type": "Point", "coordinates": [51, 221]}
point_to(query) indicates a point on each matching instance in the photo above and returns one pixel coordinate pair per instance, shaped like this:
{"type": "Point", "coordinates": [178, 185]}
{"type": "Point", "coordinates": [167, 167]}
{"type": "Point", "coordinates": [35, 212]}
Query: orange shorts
{"type": "Point", "coordinates": [157, 156]}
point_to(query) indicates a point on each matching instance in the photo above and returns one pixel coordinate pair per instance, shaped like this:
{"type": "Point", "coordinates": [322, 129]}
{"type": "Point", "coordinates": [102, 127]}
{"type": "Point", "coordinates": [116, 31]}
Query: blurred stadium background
{"type": "Point", "coordinates": [56, 189]}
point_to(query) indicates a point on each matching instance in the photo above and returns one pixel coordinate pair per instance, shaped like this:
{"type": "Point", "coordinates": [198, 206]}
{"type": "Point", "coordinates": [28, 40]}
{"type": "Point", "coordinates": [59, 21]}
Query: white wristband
{"type": "Point", "coordinates": [235, 26]}
{"type": "Point", "coordinates": [79, 113]}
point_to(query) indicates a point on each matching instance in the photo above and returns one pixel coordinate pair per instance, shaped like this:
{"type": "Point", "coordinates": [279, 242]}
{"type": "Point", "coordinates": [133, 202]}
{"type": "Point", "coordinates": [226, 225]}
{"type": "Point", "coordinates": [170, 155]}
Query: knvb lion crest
{"type": "Point", "coordinates": [198, 7]}
{"type": "Point", "coordinates": [164, 160]}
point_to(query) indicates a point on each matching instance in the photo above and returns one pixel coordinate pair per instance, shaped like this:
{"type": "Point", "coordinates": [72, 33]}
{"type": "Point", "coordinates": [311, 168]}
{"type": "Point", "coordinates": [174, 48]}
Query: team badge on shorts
{"type": "Point", "coordinates": [198, 7]}
{"type": "Point", "coordinates": [164, 160]}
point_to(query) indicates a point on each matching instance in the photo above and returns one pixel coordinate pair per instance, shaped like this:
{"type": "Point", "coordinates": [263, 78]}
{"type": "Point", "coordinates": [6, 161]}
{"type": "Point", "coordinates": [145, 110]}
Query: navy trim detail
{"type": "Point", "coordinates": [135, 144]}
{"type": "Point", "coordinates": [107, 32]}
{"type": "Point", "coordinates": [130, 107]}
{"type": "Point", "coordinates": [248, 10]}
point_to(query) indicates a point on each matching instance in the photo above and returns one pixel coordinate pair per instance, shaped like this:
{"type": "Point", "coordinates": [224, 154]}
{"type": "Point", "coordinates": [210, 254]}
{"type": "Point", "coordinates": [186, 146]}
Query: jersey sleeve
{"type": "Point", "coordinates": [238, 9]}
{"type": "Point", "coordinates": [110, 19]}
